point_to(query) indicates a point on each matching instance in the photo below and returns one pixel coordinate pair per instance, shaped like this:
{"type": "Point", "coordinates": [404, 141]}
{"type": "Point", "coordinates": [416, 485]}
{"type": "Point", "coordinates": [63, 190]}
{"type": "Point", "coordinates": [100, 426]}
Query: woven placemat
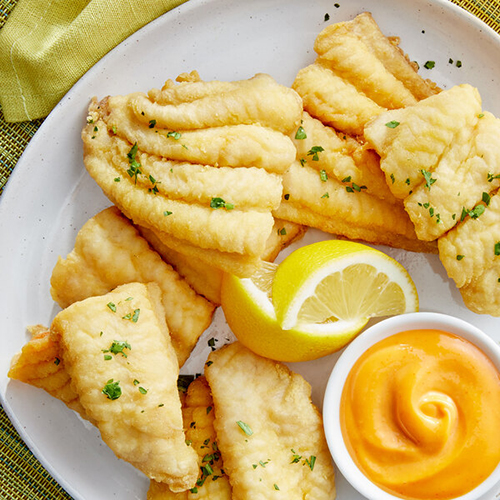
{"type": "Point", "coordinates": [21, 475]}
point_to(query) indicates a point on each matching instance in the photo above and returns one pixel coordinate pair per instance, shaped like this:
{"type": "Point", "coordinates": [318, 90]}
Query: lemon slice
{"type": "Point", "coordinates": [250, 314]}
{"type": "Point", "coordinates": [333, 282]}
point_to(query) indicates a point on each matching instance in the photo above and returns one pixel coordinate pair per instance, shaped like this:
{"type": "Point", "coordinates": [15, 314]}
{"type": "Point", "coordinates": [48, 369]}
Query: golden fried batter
{"type": "Point", "coordinates": [117, 352]}
{"type": "Point", "coordinates": [269, 433]}
{"type": "Point", "coordinates": [198, 416]}
{"type": "Point", "coordinates": [109, 252]}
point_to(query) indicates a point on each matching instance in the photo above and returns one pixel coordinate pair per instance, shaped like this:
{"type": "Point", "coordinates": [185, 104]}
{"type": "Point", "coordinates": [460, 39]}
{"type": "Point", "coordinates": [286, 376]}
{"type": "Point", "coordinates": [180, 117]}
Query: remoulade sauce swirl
{"type": "Point", "coordinates": [420, 415]}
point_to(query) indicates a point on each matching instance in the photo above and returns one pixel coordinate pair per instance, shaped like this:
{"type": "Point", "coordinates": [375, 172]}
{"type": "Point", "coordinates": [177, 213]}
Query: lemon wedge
{"type": "Point", "coordinates": [316, 301]}
{"type": "Point", "coordinates": [337, 281]}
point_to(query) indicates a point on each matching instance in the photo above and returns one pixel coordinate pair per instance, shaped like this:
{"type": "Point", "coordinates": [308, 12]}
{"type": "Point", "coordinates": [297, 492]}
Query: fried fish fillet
{"type": "Point", "coordinates": [472, 247]}
{"type": "Point", "coordinates": [39, 364]}
{"type": "Point", "coordinates": [198, 416]}
{"type": "Point", "coordinates": [269, 433]}
{"type": "Point", "coordinates": [109, 252]}
{"type": "Point", "coordinates": [117, 352]}
{"type": "Point", "coordinates": [206, 279]}
{"type": "Point", "coordinates": [411, 141]}
{"type": "Point", "coordinates": [338, 208]}
{"type": "Point", "coordinates": [358, 51]}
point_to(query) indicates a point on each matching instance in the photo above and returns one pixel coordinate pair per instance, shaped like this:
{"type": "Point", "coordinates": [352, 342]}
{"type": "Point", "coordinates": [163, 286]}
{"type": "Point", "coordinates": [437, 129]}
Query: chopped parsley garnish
{"type": "Point", "coordinates": [152, 123]}
{"type": "Point", "coordinates": [107, 357]}
{"type": "Point", "coordinates": [429, 64]}
{"type": "Point", "coordinates": [167, 213]}
{"type": "Point", "coordinates": [476, 211]}
{"type": "Point", "coordinates": [323, 175]}
{"type": "Point", "coordinates": [480, 115]}
{"type": "Point", "coordinates": [295, 458]}
{"type": "Point", "coordinates": [314, 152]}
{"type": "Point", "coordinates": [117, 179]}
{"type": "Point", "coordinates": [486, 198]}
{"type": "Point", "coordinates": [460, 257]}
{"type": "Point", "coordinates": [459, 64]}
{"type": "Point", "coordinates": [392, 124]}
{"type": "Point", "coordinates": [327, 17]}
{"type": "Point", "coordinates": [211, 343]}
{"type": "Point", "coordinates": [346, 179]}
{"type": "Point", "coordinates": [117, 347]}
{"type": "Point", "coordinates": [216, 203]}
{"type": "Point", "coordinates": [497, 248]}
{"type": "Point", "coordinates": [183, 382]}
{"type": "Point", "coordinates": [492, 177]}
{"type": "Point", "coordinates": [111, 306]}
{"type": "Point", "coordinates": [326, 195]}
{"type": "Point", "coordinates": [112, 389]}
{"type": "Point", "coordinates": [245, 428]}
{"type": "Point", "coordinates": [175, 135]}
{"type": "Point", "coordinates": [302, 161]}
{"type": "Point", "coordinates": [287, 196]}
{"type": "Point", "coordinates": [282, 231]}
{"type": "Point", "coordinates": [301, 133]}
{"type": "Point", "coordinates": [57, 361]}
{"type": "Point", "coordinates": [354, 187]}
{"type": "Point", "coordinates": [135, 167]}
{"type": "Point", "coordinates": [276, 487]}
{"type": "Point", "coordinates": [136, 382]}
{"type": "Point", "coordinates": [142, 390]}
{"type": "Point", "coordinates": [209, 409]}
{"type": "Point", "coordinates": [393, 179]}
{"type": "Point", "coordinates": [429, 181]}
{"type": "Point", "coordinates": [311, 461]}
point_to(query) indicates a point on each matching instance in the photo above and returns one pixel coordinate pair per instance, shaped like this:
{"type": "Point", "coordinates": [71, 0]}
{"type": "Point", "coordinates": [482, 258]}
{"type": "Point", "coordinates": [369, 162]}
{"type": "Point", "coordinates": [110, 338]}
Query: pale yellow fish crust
{"type": "Point", "coordinates": [109, 252]}
{"type": "Point", "coordinates": [267, 428]}
{"type": "Point", "coordinates": [144, 424]}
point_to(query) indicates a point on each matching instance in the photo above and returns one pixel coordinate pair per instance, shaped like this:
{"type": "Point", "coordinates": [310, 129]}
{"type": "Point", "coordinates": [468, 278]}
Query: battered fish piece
{"type": "Point", "coordinates": [411, 141]}
{"type": "Point", "coordinates": [470, 254]}
{"type": "Point", "coordinates": [236, 145]}
{"type": "Point", "coordinates": [39, 364]}
{"type": "Point", "coordinates": [333, 100]}
{"type": "Point", "coordinates": [345, 209]}
{"type": "Point", "coordinates": [235, 229]}
{"type": "Point", "coordinates": [464, 176]}
{"type": "Point", "coordinates": [198, 415]}
{"type": "Point", "coordinates": [207, 279]}
{"type": "Point", "coordinates": [269, 433]}
{"type": "Point", "coordinates": [258, 100]}
{"type": "Point", "coordinates": [359, 52]}
{"type": "Point", "coordinates": [109, 252]}
{"type": "Point", "coordinates": [341, 156]}
{"type": "Point", "coordinates": [117, 352]}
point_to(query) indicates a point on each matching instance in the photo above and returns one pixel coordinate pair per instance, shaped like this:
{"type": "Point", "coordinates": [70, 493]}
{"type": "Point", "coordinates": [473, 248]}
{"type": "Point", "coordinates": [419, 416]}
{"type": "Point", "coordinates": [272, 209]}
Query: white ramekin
{"type": "Point", "coordinates": [333, 393]}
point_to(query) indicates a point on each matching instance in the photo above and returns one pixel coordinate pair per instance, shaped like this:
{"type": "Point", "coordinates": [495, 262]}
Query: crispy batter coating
{"type": "Point", "coordinates": [361, 53]}
{"type": "Point", "coordinates": [258, 100]}
{"type": "Point", "coordinates": [207, 279]}
{"type": "Point", "coordinates": [117, 352]}
{"type": "Point", "coordinates": [235, 230]}
{"type": "Point", "coordinates": [269, 433]}
{"type": "Point", "coordinates": [462, 178]}
{"type": "Point", "coordinates": [198, 416]}
{"type": "Point", "coordinates": [109, 252]}
{"type": "Point", "coordinates": [341, 156]}
{"type": "Point", "coordinates": [39, 364]}
{"type": "Point", "coordinates": [336, 207]}
{"type": "Point", "coordinates": [333, 100]}
{"type": "Point", "coordinates": [411, 141]}
{"type": "Point", "coordinates": [236, 145]}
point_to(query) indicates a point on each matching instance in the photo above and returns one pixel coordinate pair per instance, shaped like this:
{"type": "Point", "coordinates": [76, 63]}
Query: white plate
{"type": "Point", "coordinates": [50, 195]}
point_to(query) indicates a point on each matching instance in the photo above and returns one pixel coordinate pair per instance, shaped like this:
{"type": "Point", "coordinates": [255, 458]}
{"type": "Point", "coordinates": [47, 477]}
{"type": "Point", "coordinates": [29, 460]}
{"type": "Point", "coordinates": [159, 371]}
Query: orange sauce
{"type": "Point", "coordinates": [420, 415]}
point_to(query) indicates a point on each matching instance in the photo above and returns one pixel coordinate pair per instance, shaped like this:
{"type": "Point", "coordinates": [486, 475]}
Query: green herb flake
{"type": "Point", "coordinates": [167, 213]}
{"type": "Point", "coordinates": [135, 316]}
{"type": "Point", "coordinates": [211, 343]}
{"type": "Point", "coordinates": [117, 179]}
{"type": "Point", "coordinates": [327, 17]}
{"type": "Point", "coordinates": [311, 461]}
{"type": "Point", "coordinates": [276, 487]}
{"type": "Point", "coordinates": [303, 161]}
{"type": "Point", "coordinates": [152, 123]}
{"type": "Point", "coordinates": [323, 175]}
{"type": "Point", "coordinates": [113, 129]}
{"type": "Point", "coordinates": [107, 357]}
{"type": "Point", "coordinates": [174, 135]}
{"type": "Point", "coordinates": [217, 203]}
{"type": "Point", "coordinates": [57, 361]}
{"type": "Point", "coordinates": [300, 134]}
{"type": "Point", "coordinates": [429, 64]}
{"type": "Point", "coordinates": [486, 198]}
{"type": "Point", "coordinates": [282, 231]}
{"type": "Point", "coordinates": [245, 428]}
{"type": "Point", "coordinates": [209, 409]}
{"type": "Point", "coordinates": [135, 167]}
{"type": "Point", "coordinates": [429, 181]}
{"type": "Point", "coordinates": [326, 195]}
{"type": "Point", "coordinates": [458, 64]}
{"type": "Point", "coordinates": [460, 257]}
{"type": "Point", "coordinates": [142, 390]}
{"type": "Point", "coordinates": [492, 177]}
{"type": "Point", "coordinates": [136, 382]}
{"type": "Point", "coordinates": [392, 124]}
{"type": "Point", "coordinates": [480, 115]}
{"type": "Point", "coordinates": [497, 248]}
{"type": "Point", "coordinates": [112, 306]}
{"type": "Point", "coordinates": [393, 179]}
{"type": "Point", "coordinates": [346, 179]}
{"type": "Point", "coordinates": [477, 211]}
{"type": "Point", "coordinates": [314, 152]}
{"type": "Point", "coordinates": [117, 347]}
{"type": "Point", "coordinates": [112, 390]}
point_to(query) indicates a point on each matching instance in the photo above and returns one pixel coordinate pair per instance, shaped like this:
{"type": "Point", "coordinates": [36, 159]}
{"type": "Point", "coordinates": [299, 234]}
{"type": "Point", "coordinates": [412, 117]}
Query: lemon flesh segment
{"type": "Point", "coordinates": [250, 315]}
{"type": "Point", "coordinates": [339, 281]}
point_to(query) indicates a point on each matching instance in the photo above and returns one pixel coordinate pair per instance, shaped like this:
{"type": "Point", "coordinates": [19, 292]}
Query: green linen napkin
{"type": "Point", "coordinates": [47, 45]}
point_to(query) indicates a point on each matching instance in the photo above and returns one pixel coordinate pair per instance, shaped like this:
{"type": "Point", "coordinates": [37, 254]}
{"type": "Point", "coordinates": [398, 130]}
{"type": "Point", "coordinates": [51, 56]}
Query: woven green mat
{"type": "Point", "coordinates": [21, 475]}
